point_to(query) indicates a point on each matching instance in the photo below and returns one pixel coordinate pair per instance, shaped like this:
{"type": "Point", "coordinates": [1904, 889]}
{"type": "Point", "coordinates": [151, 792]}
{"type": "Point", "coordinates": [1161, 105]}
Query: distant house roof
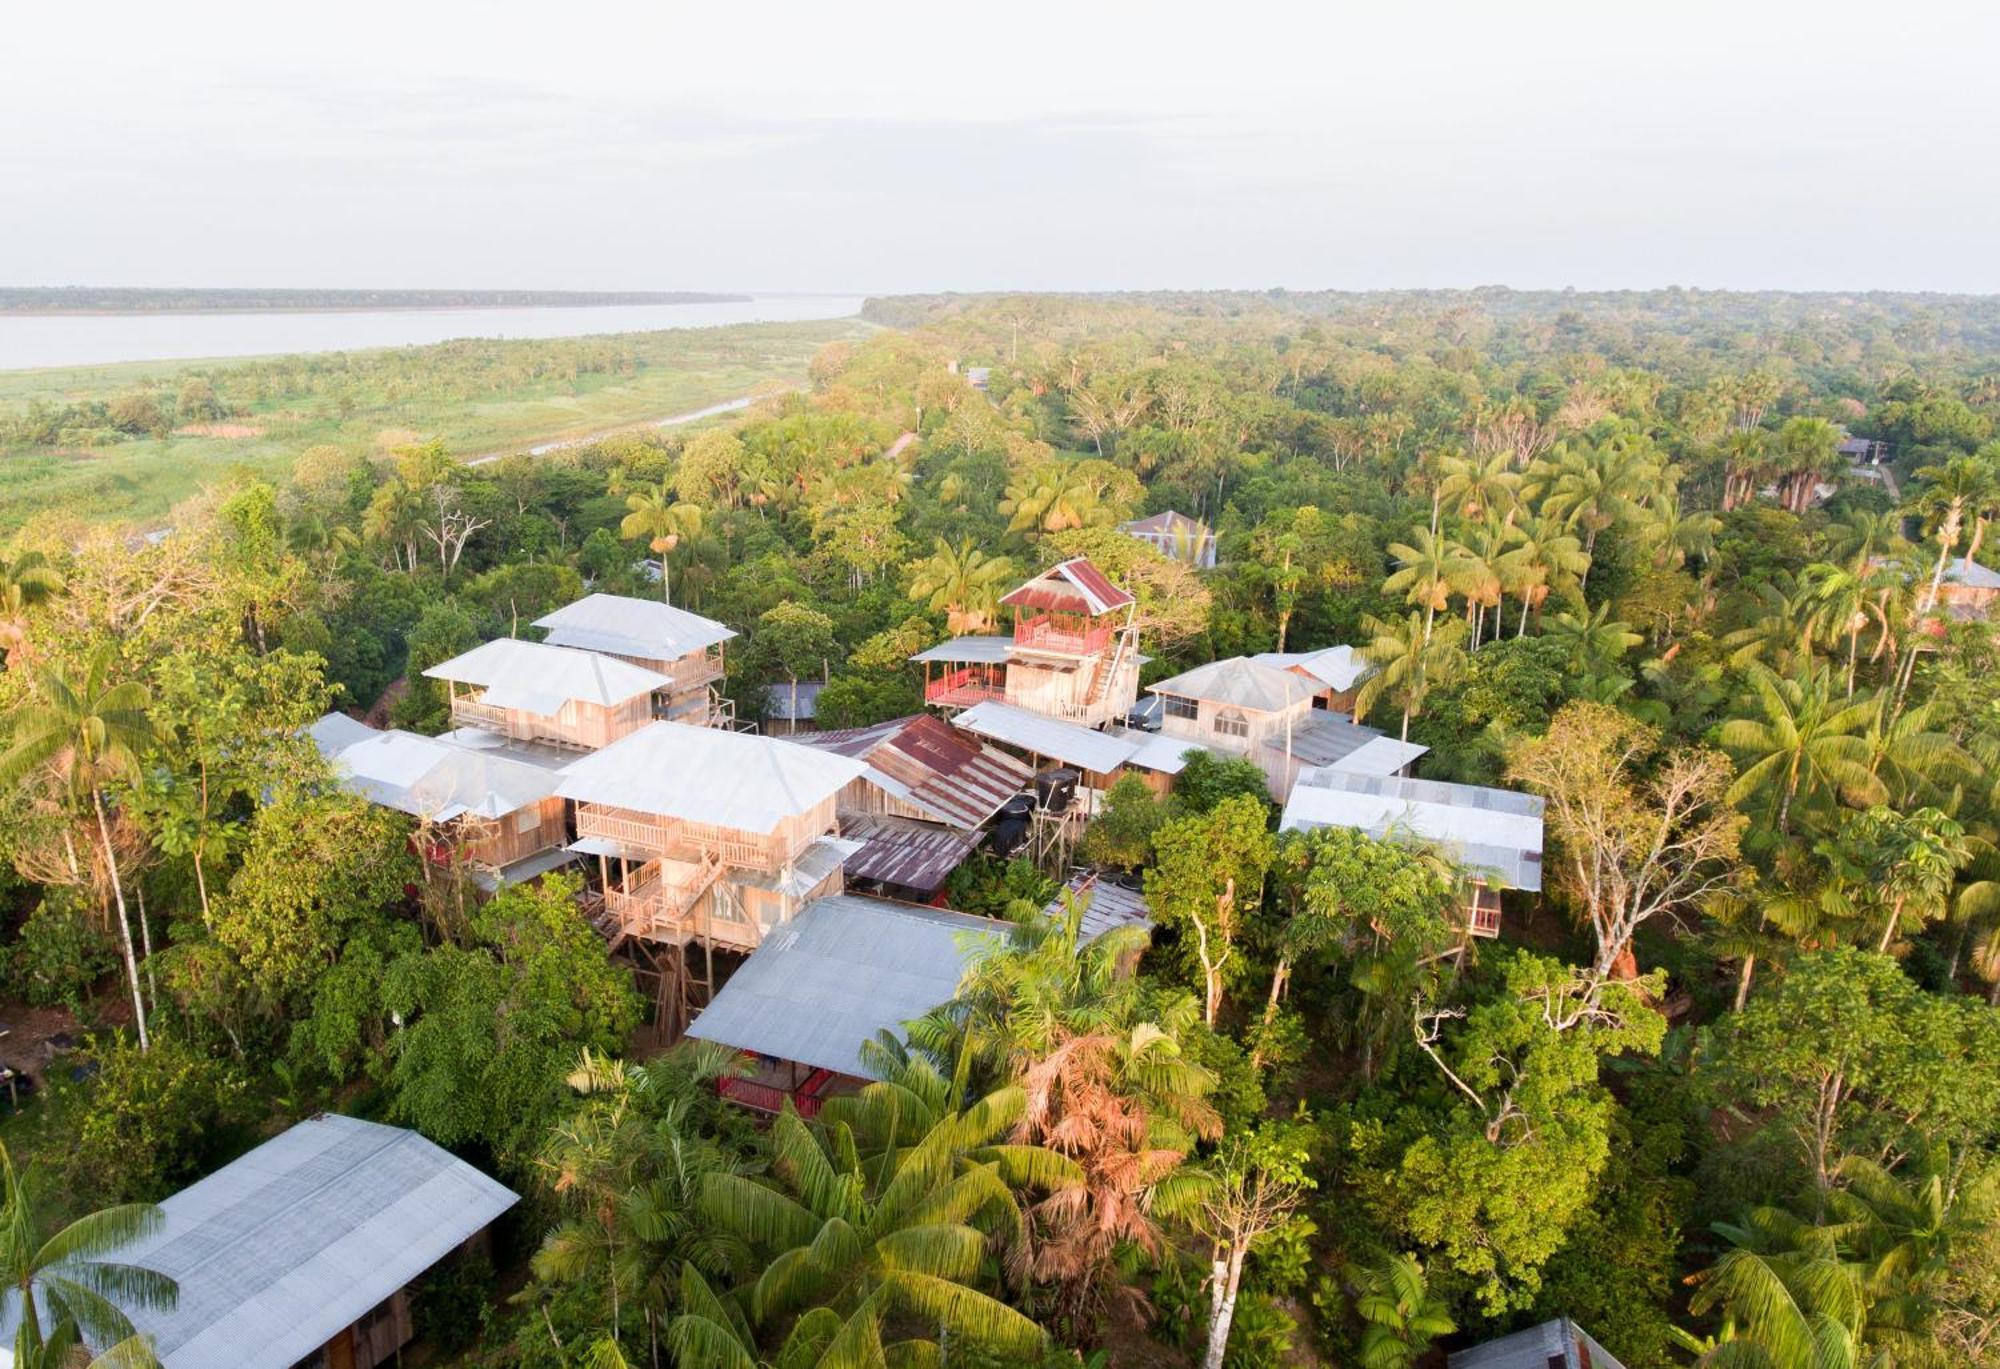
{"type": "Point", "coordinates": [537, 678]}
{"type": "Point", "coordinates": [1110, 904]}
{"type": "Point", "coordinates": [1099, 752]}
{"type": "Point", "coordinates": [924, 762]}
{"type": "Point", "coordinates": [844, 969]}
{"type": "Point", "coordinates": [1176, 535]}
{"type": "Point", "coordinates": [1558, 1344]}
{"type": "Point", "coordinates": [624, 626]}
{"type": "Point", "coordinates": [1339, 668]}
{"type": "Point", "coordinates": [968, 650]}
{"type": "Point", "coordinates": [279, 1251]}
{"type": "Point", "coordinates": [906, 853]}
{"type": "Point", "coordinates": [1072, 586]}
{"type": "Point", "coordinates": [1974, 576]}
{"type": "Point", "coordinates": [786, 702]}
{"type": "Point", "coordinates": [1169, 523]}
{"type": "Point", "coordinates": [707, 775]}
{"type": "Point", "coordinates": [1494, 830]}
{"type": "Point", "coordinates": [1239, 682]}
{"type": "Point", "coordinates": [1322, 738]}
{"type": "Point", "coordinates": [428, 777]}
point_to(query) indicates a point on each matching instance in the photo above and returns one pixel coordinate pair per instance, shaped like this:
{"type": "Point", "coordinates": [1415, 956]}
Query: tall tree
{"type": "Point", "coordinates": [661, 520]}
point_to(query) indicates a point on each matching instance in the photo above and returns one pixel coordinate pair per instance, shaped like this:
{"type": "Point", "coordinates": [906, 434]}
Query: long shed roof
{"type": "Point", "coordinates": [535, 677]}
{"type": "Point", "coordinates": [708, 775]}
{"type": "Point", "coordinates": [1066, 742]}
{"type": "Point", "coordinates": [1496, 830]}
{"type": "Point", "coordinates": [844, 969]}
{"type": "Point", "coordinates": [278, 1251]}
{"type": "Point", "coordinates": [647, 628]}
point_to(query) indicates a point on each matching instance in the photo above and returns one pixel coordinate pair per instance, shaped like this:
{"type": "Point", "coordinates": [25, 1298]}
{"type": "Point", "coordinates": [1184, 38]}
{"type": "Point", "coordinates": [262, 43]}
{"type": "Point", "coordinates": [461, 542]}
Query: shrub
{"type": "Point", "coordinates": [448, 1312]}
{"type": "Point", "coordinates": [150, 1122]}
{"type": "Point", "coordinates": [59, 954]}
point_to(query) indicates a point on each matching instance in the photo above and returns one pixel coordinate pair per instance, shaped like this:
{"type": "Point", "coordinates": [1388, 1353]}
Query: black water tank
{"type": "Point", "coordinates": [1056, 789]}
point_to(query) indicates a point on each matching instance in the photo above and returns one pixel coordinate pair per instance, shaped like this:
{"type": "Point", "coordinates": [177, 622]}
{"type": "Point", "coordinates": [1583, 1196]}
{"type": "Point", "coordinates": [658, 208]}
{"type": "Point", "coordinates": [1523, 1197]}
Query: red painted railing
{"type": "Point", "coordinates": [1045, 634]}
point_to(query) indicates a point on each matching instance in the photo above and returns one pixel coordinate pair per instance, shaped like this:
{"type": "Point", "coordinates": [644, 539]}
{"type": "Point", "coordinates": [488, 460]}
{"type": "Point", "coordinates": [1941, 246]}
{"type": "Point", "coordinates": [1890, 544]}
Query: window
{"type": "Point", "coordinates": [1177, 707]}
{"type": "Point", "coordinates": [1230, 723]}
{"type": "Point", "coordinates": [527, 820]}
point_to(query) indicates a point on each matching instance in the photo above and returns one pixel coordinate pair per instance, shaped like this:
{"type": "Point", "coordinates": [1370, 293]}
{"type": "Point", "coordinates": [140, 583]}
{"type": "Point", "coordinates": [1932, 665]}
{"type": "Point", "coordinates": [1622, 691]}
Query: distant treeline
{"type": "Point", "coordinates": [81, 299]}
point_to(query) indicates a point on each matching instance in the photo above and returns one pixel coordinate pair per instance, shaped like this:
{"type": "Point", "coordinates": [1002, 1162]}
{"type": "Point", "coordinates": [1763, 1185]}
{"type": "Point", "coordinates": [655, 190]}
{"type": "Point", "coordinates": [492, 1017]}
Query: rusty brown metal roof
{"type": "Point", "coordinates": [905, 853]}
{"type": "Point", "coordinates": [927, 763]}
{"type": "Point", "coordinates": [1072, 586]}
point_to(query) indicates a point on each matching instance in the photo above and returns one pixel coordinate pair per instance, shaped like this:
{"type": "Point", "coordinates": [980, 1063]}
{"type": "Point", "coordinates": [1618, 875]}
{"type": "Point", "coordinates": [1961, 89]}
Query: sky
{"type": "Point", "coordinates": [879, 146]}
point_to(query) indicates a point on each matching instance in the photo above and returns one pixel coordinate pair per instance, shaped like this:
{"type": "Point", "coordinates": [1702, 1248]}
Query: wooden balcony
{"type": "Point", "coordinates": [1053, 636]}
{"type": "Point", "coordinates": [966, 686]}
{"type": "Point", "coordinates": [677, 840]}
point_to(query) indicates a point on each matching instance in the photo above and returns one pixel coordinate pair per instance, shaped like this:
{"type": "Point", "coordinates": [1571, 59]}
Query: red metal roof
{"type": "Point", "coordinates": [1073, 586]}
{"type": "Point", "coordinates": [907, 854]}
{"type": "Point", "coordinates": [941, 770]}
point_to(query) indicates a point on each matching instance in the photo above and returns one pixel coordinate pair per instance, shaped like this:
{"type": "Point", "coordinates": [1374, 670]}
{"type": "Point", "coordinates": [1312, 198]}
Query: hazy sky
{"type": "Point", "coordinates": [951, 145]}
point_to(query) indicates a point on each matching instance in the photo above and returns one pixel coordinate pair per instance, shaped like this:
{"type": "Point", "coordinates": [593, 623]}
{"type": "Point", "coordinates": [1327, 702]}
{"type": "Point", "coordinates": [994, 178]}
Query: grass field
{"type": "Point", "coordinates": [478, 397]}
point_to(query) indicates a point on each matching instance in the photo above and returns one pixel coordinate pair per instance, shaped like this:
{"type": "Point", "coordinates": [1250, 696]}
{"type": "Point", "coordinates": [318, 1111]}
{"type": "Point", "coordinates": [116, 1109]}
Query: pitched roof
{"type": "Point", "coordinates": [1066, 742]}
{"type": "Point", "coordinates": [1324, 738]}
{"type": "Point", "coordinates": [278, 1251]}
{"type": "Point", "coordinates": [844, 969]}
{"type": "Point", "coordinates": [1558, 1344]}
{"type": "Point", "coordinates": [968, 650]}
{"type": "Point", "coordinates": [923, 762]}
{"type": "Point", "coordinates": [906, 853]}
{"type": "Point", "coordinates": [1110, 904]}
{"type": "Point", "coordinates": [535, 677]}
{"type": "Point", "coordinates": [1974, 576]}
{"type": "Point", "coordinates": [647, 628]}
{"type": "Point", "coordinates": [1494, 830]}
{"type": "Point", "coordinates": [1169, 522]}
{"type": "Point", "coordinates": [1072, 586]}
{"type": "Point", "coordinates": [1339, 668]}
{"type": "Point", "coordinates": [430, 777]}
{"type": "Point", "coordinates": [707, 775]}
{"type": "Point", "coordinates": [335, 732]}
{"type": "Point", "coordinates": [1239, 682]}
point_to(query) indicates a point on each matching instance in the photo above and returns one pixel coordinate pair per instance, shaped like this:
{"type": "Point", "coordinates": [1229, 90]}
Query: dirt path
{"type": "Point", "coordinates": [727, 406]}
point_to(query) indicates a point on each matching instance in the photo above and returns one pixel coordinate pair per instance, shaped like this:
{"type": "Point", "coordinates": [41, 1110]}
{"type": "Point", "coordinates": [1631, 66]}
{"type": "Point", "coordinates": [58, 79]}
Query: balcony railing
{"type": "Point", "coordinates": [671, 837]}
{"type": "Point", "coordinates": [1046, 634]}
{"type": "Point", "coordinates": [967, 686]}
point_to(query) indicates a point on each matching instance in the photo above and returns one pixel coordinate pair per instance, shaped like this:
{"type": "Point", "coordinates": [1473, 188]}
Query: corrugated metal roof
{"type": "Point", "coordinates": [429, 777]}
{"type": "Point", "coordinates": [705, 774]}
{"type": "Point", "coordinates": [1380, 756]}
{"type": "Point", "coordinates": [1239, 682]}
{"type": "Point", "coordinates": [1111, 904]}
{"type": "Point", "coordinates": [1558, 1344]}
{"type": "Point", "coordinates": [906, 853]}
{"type": "Point", "coordinates": [1338, 668]}
{"type": "Point", "coordinates": [1066, 742]}
{"type": "Point", "coordinates": [278, 1251]}
{"type": "Point", "coordinates": [922, 761]}
{"type": "Point", "coordinates": [335, 732]}
{"type": "Point", "coordinates": [528, 675]}
{"type": "Point", "coordinates": [1974, 576]}
{"type": "Point", "coordinates": [969, 651]}
{"type": "Point", "coordinates": [1072, 586]}
{"type": "Point", "coordinates": [793, 703]}
{"type": "Point", "coordinates": [647, 628]}
{"type": "Point", "coordinates": [845, 968]}
{"type": "Point", "coordinates": [1323, 738]}
{"type": "Point", "coordinates": [1493, 830]}
{"type": "Point", "coordinates": [1156, 750]}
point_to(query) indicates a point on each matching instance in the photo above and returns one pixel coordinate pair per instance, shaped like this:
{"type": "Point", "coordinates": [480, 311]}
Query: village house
{"type": "Point", "coordinates": [920, 807]}
{"type": "Point", "coordinates": [1336, 672]}
{"type": "Point", "coordinates": [548, 695]}
{"type": "Point", "coordinates": [705, 840]}
{"type": "Point", "coordinates": [846, 969]}
{"type": "Point", "coordinates": [1177, 536]}
{"type": "Point", "coordinates": [482, 808]}
{"type": "Point", "coordinates": [302, 1254]}
{"type": "Point", "coordinates": [1558, 1344]}
{"type": "Point", "coordinates": [1969, 590]}
{"type": "Point", "coordinates": [1494, 834]}
{"type": "Point", "coordinates": [1242, 707]}
{"type": "Point", "coordinates": [686, 648]}
{"type": "Point", "coordinates": [1073, 654]}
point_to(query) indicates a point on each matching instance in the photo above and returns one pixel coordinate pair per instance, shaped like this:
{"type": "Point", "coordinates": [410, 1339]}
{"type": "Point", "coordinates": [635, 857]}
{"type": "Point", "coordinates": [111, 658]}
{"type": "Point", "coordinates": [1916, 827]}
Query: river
{"type": "Point", "coordinates": [42, 340]}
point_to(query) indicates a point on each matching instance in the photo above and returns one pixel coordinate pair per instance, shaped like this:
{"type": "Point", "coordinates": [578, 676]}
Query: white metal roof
{"type": "Point", "coordinates": [538, 678]}
{"type": "Point", "coordinates": [705, 774]}
{"type": "Point", "coordinates": [1156, 750]}
{"type": "Point", "coordinates": [335, 732]}
{"type": "Point", "coordinates": [1379, 756]}
{"type": "Point", "coordinates": [1495, 830]}
{"type": "Point", "coordinates": [845, 968]}
{"type": "Point", "coordinates": [1066, 742]}
{"type": "Point", "coordinates": [431, 777]}
{"type": "Point", "coordinates": [1339, 668]}
{"type": "Point", "coordinates": [648, 628]}
{"type": "Point", "coordinates": [278, 1251]}
{"type": "Point", "coordinates": [1239, 682]}
{"type": "Point", "coordinates": [1973, 576]}
{"type": "Point", "coordinates": [968, 651]}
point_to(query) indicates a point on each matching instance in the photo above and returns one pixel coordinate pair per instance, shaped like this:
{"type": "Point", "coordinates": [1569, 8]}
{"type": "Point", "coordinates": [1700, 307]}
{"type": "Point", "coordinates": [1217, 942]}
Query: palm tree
{"type": "Point", "coordinates": [25, 581]}
{"type": "Point", "coordinates": [1399, 1315]}
{"type": "Point", "coordinates": [1598, 486]}
{"type": "Point", "coordinates": [391, 519]}
{"type": "Point", "coordinates": [911, 1244]}
{"type": "Point", "coordinates": [86, 733]}
{"type": "Point", "coordinates": [1846, 599]}
{"type": "Point", "coordinates": [1548, 560]}
{"type": "Point", "coordinates": [1409, 662]}
{"type": "Point", "coordinates": [1746, 460]}
{"type": "Point", "coordinates": [1676, 536]}
{"type": "Point", "coordinates": [962, 582]}
{"type": "Point", "coordinates": [1431, 568]}
{"type": "Point", "coordinates": [1791, 1300]}
{"type": "Point", "coordinates": [1806, 450]}
{"type": "Point", "coordinates": [1479, 489]}
{"type": "Point", "coordinates": [1797, 739]}
{"type": "Point", "coordinates": [66, 1279]}
{"type": "Point", "coordinates": [1949, 494]}
{"type": "Point", "coordinates": [660, 519]}
{"type": "Point", "coordinates": [1053, 497]}
{"type": "Point", "coordinates": [1593, 640]}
